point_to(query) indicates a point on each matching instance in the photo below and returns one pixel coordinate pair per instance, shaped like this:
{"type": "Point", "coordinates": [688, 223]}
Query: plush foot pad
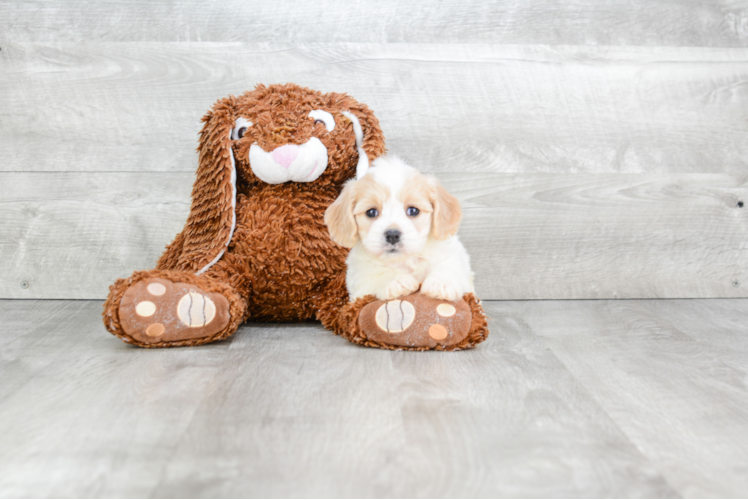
{"type": "Point", "coordinates": [157, 310]}
{"type": "Point", "coordinates": [416, 321]}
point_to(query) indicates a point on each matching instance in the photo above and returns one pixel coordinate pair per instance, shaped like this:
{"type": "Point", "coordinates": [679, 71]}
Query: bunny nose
{"type": "Point", "coordinates": [285, 155]}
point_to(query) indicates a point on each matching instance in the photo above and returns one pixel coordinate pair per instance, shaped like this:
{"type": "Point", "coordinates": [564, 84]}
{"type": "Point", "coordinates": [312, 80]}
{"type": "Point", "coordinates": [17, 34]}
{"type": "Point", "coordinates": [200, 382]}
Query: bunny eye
{"type": "Point", "coordinates": [324, 117]}
{"type": "Point", "coordinates": [240, 128]}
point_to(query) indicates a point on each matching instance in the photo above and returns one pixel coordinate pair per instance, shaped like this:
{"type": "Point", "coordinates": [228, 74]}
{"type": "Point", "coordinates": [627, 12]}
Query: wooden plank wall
{"type": "Point", "coordinates": [600, 148]}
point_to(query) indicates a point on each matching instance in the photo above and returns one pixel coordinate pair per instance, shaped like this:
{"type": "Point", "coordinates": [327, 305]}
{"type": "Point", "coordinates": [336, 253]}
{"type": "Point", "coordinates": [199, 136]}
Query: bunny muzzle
{"type": "Point", "coordinates": [291, 162]}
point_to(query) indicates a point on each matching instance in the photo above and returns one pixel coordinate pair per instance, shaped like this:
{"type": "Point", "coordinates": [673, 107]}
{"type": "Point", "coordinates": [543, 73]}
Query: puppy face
{"type": "Point", "coordinates": [392, 211]}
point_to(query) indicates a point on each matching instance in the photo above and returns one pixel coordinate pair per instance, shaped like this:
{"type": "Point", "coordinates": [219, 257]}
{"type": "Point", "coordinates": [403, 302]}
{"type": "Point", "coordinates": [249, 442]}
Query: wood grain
{"type": "Point", "coordinates": [565, 399]}
{"type": "Point", "coordinates": [145, 409]}
{"type": "Point", "coordinates": [718, 23]}
{"type": "Point", "coordinates": [605, 236]}
{"type": "Point", "coordinates": [667, 387]}
{"type": "Point", "coordinates": [100, 107]}
{"type": "Point", "coordinates": [293, 411]}
{"type": "Point", "coordinates": [446, 107]}
{"type": "Point", "coordinates": [69, 235]}
{"type": "Point", "coordinates": [725, 337]}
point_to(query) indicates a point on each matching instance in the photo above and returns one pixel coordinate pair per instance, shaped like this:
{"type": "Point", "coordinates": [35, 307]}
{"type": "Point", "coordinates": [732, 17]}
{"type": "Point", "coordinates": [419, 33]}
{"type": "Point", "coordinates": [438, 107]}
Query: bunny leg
{"type": "Point", "coordinates": [331, 302]}
{"type": "Point", "coordinates": [168, 308]}
{"type": "Point", "coordinates": [414, 322]}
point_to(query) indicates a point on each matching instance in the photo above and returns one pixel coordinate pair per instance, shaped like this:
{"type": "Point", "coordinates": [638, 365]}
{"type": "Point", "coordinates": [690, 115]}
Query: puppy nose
{"type": "Point", "coordinates": [285, 155]}
{"type": "Point", "coordinates": [392, 236]}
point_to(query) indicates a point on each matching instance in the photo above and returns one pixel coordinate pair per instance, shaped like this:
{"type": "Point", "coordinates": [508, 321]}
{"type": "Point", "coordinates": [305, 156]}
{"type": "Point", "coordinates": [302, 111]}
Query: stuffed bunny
{"type": "Point", "coordinates": [255, 244]}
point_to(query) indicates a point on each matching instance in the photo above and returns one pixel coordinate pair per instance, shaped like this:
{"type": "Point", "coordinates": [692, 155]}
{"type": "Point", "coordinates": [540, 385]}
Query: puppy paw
{"type": "Point", "coordinates": [403, 285]}
{"type": "Point", "coordinates": [438, 289]}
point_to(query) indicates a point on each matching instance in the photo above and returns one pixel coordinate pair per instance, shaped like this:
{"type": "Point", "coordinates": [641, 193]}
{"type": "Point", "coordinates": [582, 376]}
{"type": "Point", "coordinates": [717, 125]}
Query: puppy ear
{"type": "Point", "coordinates": [447, 212]}
{"type": "Point", "coordinates": [212, 217]}
{"type": "Point", "coordinates": [340, 220]}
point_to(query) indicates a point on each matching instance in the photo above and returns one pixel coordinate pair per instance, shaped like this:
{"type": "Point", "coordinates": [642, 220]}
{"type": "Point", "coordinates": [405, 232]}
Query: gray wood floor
{"type": "Point", "coordinates": [566, 398]}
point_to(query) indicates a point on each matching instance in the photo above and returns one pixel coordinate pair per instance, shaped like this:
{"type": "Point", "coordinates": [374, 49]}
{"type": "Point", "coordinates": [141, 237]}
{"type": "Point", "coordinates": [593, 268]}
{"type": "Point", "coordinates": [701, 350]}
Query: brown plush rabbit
{"type": "Point", "coordinates": [255, 243]}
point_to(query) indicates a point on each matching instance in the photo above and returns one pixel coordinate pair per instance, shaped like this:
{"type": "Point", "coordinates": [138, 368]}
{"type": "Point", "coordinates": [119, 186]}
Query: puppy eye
{"type": "Point", "coordinates": [412, 211]}
{"type": "Point", "coordinates": [240, 133]}
{"type": "Point", "coordinates": [372, 212]}
{"type": "Point", "coordinates": [317, 122]}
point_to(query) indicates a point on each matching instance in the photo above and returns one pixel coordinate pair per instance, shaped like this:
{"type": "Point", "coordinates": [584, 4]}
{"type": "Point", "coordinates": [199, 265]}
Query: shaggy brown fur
{"type": "Point", "coordinates": [280, 264]}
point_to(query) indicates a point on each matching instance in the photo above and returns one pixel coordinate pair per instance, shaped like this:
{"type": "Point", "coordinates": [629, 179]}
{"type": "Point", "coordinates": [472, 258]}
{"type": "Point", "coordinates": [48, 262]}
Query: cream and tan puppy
{"type": "Point", "coordinates": [401, 226]}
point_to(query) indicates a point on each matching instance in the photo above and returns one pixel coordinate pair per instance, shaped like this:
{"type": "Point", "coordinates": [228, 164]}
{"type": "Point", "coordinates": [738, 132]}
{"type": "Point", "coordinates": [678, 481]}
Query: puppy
{"type": "Point", "coordinates": [400, 225]}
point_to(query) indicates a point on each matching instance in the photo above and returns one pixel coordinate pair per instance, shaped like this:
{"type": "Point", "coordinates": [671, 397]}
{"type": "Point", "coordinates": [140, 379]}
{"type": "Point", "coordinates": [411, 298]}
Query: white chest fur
{"type": "Point", "coordinates": [368, 275]}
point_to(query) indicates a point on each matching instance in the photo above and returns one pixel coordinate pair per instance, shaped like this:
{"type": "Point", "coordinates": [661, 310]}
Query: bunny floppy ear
{"type": "Point", "coordinates": [369, 137]}
{"type": "Point", "coordinates": [212, 218]}
{"type": "Point", "coordinates": [363, 158]}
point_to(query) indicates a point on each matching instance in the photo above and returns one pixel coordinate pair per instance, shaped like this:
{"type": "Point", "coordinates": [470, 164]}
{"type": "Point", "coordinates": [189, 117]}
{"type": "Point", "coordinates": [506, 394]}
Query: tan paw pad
{"type": "Point", "coordinates": [438, 332]}
{"type": "Point", "coordinates": [395, 316]}
{"type": "Point", "coordinates": [446, 310]}
{"type": "Point", "coordinates": [155, 330]}
{"type": "Point", "coordinates": [196, 310]}
{"type": "Point", "coordinates": [156, 288]}
{"type": "Point", "coordinates": [145, 308]}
